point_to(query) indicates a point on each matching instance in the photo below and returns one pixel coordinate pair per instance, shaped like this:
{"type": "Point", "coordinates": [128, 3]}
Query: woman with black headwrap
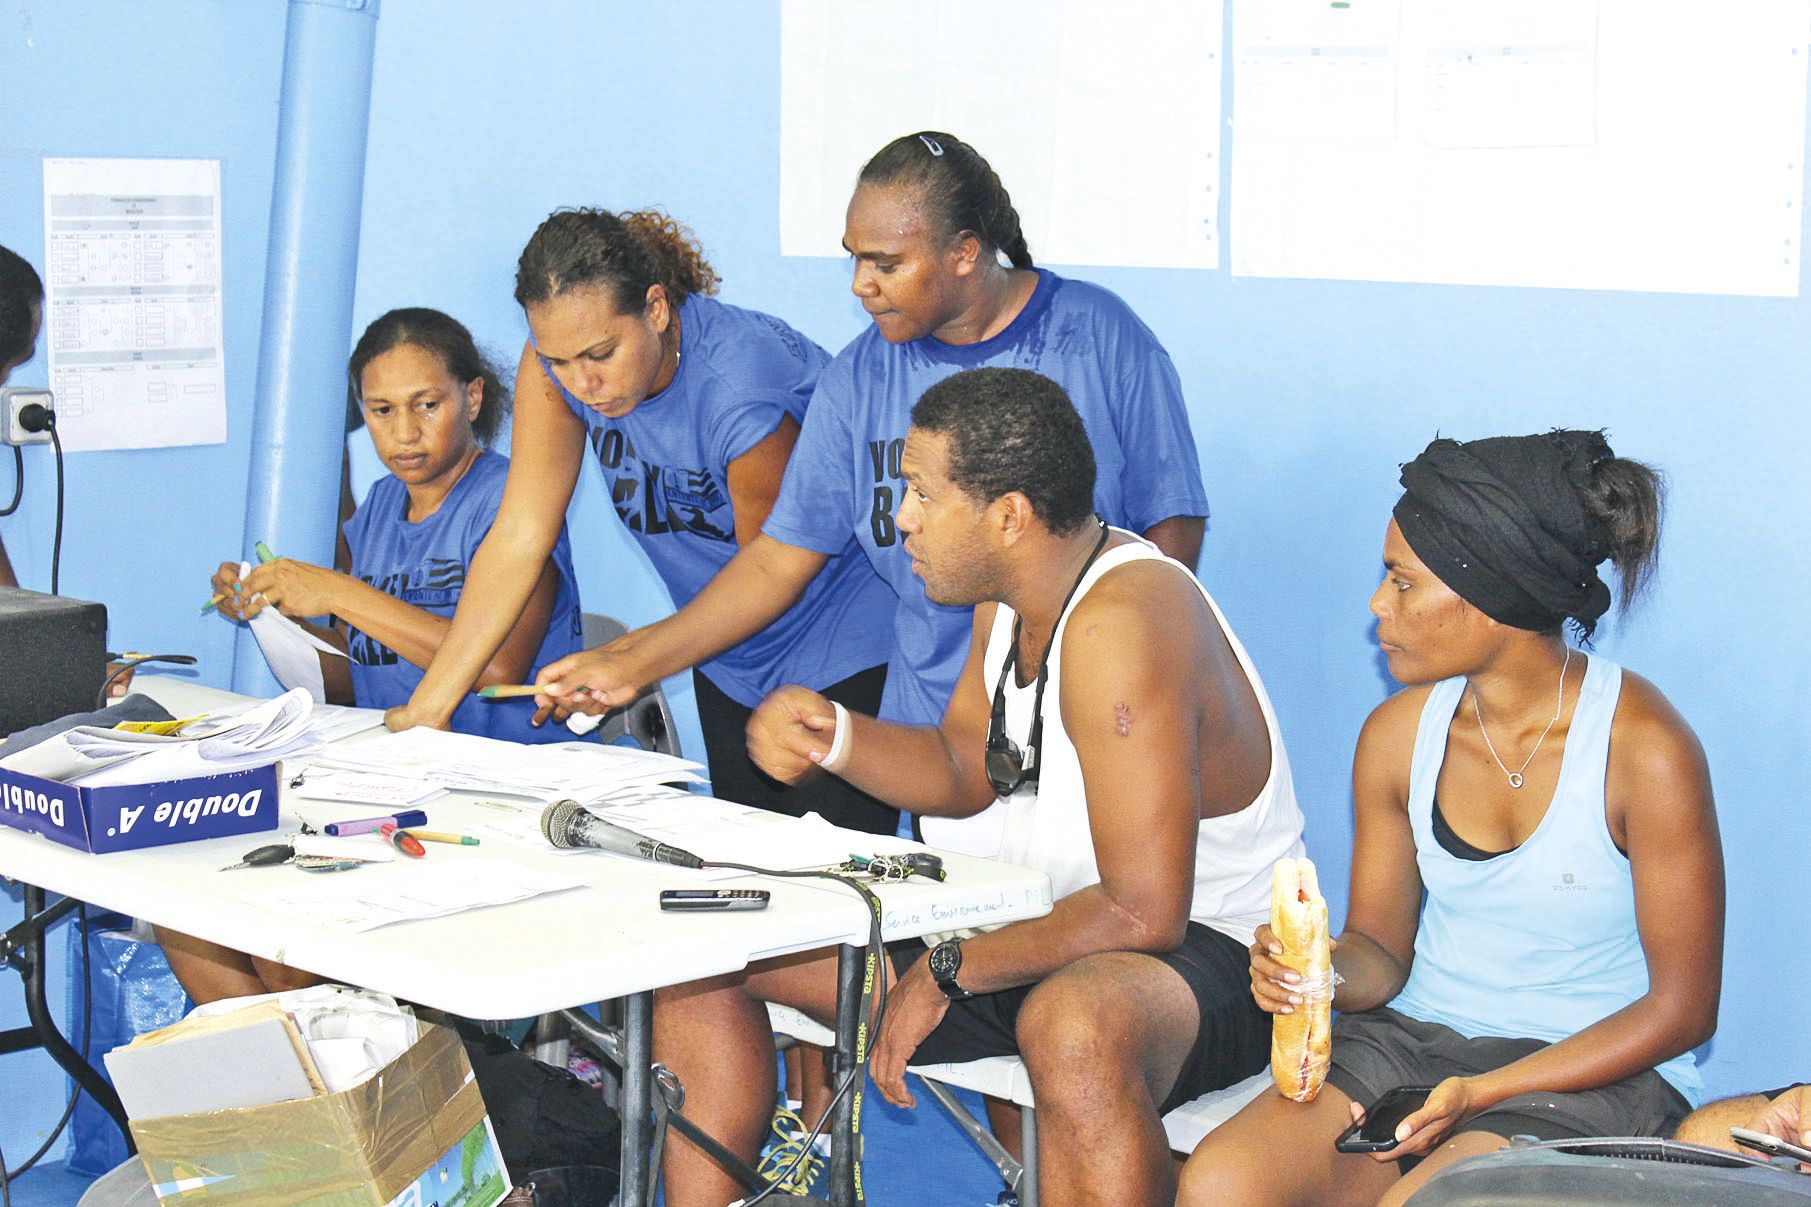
{"type": "Point", "coordinates": [1556, 813]}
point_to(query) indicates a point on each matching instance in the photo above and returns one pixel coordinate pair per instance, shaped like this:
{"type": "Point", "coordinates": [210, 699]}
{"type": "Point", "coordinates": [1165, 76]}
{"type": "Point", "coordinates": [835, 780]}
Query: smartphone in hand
{"type": "Point", "coordinates": [1377, 1133]}
{"type": "Point", "coordinates": [1773, 1146]}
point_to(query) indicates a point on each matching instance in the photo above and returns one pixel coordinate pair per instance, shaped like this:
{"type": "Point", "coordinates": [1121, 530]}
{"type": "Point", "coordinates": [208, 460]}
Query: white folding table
{"type": "Point", "coordinates": [606, 939]}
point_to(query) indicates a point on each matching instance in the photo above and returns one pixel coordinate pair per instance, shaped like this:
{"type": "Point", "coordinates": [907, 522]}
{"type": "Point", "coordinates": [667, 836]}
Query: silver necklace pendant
{"type": "Point", "coordinates": [1559, 706]}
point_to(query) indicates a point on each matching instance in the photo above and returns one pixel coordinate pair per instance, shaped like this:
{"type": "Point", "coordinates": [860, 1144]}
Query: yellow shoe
{"type": "Point", "coordinates": [787, 1160]}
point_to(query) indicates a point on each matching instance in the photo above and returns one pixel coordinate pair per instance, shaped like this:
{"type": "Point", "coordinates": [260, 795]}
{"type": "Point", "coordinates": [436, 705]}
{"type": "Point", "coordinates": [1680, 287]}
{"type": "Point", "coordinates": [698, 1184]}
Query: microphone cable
{"type": "Point", "coordinates": [130, 661]}
{"type": "Point", "coordinates": [870, 1012]}
{"type": "Point", "coordinates": [56, 544]}
{"type": "Point", "coordinates": [8, 1177]}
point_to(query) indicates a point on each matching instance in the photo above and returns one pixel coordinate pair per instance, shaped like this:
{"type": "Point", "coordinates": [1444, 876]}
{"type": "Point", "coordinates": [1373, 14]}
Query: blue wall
{"type": "Point", "coordinates": [1305, 395]}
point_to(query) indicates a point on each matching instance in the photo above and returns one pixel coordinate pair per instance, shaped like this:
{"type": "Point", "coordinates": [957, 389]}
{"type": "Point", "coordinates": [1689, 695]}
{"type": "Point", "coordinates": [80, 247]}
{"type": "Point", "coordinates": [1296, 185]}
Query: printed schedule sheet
{"type": "Point", "coordinates": [132, 311]}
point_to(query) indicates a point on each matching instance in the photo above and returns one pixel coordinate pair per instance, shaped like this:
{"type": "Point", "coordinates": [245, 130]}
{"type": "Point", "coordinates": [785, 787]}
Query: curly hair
{"type": "Point", "coordinates": [445, 337]}
{"type": "Point", "coordinates": [1014, 430]}
{"type": "Point", "coordinates": [624, 253]}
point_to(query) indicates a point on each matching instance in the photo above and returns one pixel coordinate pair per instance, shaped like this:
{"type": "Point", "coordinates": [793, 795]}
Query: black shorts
{"type": "Point", "coordinates": [1232, 1042]}
{"type": "Point", "coordinates": [1377, 1050]}
{"type": "Point", "coordinates": [735, 777]}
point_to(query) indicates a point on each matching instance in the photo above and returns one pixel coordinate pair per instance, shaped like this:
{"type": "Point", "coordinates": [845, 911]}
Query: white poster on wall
{"type": "Point", "coordinates": [132, 311]}
{"type": "Point", "coordinates": [1650, 145]}
{"type": "Point", "coordinates": [1104, 124]}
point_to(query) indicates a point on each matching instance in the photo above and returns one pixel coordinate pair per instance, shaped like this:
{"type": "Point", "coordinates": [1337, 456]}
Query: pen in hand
{"type": "Point", "coordinates": [265, 557]}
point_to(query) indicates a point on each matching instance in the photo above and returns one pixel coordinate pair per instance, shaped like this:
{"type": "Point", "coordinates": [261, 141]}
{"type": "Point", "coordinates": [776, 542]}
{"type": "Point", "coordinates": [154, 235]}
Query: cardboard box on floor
{"type": "Point", "coordinates": [414, 1135]}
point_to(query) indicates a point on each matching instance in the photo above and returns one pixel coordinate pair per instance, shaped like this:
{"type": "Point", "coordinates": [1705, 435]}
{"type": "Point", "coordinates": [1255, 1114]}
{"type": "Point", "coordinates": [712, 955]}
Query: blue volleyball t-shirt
{"type": "Point", "coordinates": [667, 467]}
{"type": "Point", "coordinates": [423, 564]}
{"type": "Point", "coordinates": [845, 475]}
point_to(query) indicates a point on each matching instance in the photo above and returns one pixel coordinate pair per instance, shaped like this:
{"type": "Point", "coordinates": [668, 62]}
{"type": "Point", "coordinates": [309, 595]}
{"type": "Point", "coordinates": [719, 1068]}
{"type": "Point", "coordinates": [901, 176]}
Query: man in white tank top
{"type": "Point", "coordinates": [1138, 761]}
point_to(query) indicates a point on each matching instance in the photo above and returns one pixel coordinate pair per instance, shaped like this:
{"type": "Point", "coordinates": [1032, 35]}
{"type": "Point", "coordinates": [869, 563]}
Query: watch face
{"type": "Point", "coordinates": [946, 959]}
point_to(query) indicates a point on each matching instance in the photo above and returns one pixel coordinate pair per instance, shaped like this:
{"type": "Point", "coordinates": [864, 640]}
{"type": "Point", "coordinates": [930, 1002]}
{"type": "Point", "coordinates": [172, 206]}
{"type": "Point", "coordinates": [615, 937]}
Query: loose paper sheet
{"type": "Point", "coordinates": [366, 898]}
{"type": "Point", "coordinates": [1583, 144]}
{"type": "Point", "coordinates": [132, 311]}
{"type": "Point", "coordinates": [1103, 123]}
{"type": "Point", "coordinates": [294, 654]}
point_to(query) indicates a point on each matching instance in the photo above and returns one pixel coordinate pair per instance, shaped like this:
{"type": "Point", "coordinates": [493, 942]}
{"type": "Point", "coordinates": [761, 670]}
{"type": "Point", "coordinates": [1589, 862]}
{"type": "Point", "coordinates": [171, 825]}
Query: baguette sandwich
{"type": "Point", "coordinates": [1301, 1045]}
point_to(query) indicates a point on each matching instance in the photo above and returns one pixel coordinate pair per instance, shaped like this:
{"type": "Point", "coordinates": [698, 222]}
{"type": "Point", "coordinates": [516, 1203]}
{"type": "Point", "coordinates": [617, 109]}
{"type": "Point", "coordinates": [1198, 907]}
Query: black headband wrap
{"type": "Point", "coordinates": [1503, 522]}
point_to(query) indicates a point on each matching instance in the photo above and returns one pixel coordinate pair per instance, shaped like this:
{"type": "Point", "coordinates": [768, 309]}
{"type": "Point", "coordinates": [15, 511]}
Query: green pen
{"type": "Point", "coordinates": [265, 557]}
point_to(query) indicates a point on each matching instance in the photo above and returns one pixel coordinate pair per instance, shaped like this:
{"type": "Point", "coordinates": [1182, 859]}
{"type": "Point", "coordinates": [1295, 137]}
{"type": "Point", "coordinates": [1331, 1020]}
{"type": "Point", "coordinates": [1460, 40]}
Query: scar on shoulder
{"type": "Point", "coordinates": [1122, 719]}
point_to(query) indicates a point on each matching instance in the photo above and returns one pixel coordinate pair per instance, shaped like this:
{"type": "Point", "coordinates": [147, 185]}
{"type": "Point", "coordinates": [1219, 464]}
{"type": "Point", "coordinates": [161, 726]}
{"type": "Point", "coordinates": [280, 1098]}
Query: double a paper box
{"type": "Point", "coordinates": [415, 1134]}
{"type": "Point", "coordinates": [126, 817]}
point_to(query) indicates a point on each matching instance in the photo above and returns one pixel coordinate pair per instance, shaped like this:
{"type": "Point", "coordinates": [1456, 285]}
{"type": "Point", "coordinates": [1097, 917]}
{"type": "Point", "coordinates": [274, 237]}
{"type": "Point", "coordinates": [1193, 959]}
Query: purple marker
{"type": "Point", "coordinates": [366, 825]}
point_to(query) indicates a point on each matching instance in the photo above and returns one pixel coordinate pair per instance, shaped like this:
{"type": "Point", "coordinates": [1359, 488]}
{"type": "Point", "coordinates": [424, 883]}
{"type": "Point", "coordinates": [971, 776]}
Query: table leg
{"type": "Point", "coordinates": [637, 1098]}
{"type": "Point", "coordinates": [24, 948]}
{"type": "Point", "coordinates": [845, 1120]}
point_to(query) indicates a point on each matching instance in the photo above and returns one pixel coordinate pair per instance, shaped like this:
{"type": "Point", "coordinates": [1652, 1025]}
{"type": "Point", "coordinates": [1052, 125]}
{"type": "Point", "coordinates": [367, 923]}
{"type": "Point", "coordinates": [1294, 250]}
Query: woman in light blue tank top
{"type": "Point", "coordinates": [1536, 919]}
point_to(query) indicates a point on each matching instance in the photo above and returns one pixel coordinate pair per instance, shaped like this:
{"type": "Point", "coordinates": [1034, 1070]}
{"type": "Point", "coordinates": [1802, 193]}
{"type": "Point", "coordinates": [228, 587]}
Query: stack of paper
{"type": "Point", "coordinates": [92, 756]}
{"type": "Point", "coordinates": [581, 771]}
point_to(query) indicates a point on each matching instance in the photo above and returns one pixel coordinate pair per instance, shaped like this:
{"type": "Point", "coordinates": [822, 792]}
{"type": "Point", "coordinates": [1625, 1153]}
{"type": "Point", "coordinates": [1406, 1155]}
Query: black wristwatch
{"type": "Point", "coordinates": [945, 963]}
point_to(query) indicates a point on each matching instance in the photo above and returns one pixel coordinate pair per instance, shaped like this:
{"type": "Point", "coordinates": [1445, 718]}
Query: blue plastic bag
{"type": "Point", "coordinates": [133, 991]}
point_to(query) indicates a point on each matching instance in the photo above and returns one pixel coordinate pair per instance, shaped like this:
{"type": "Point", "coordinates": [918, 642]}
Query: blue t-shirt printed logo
{"type": "Point", "coordinates": [883, 459]}
{"type": "Point", "coordinates": [435, 583]}
{"type": "Point", "coordinates": [654, 499]}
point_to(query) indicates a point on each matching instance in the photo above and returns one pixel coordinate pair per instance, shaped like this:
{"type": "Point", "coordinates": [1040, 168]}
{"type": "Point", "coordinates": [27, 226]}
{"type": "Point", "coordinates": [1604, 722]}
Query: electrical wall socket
{"type": "Point", "coordinates": [14, 399]}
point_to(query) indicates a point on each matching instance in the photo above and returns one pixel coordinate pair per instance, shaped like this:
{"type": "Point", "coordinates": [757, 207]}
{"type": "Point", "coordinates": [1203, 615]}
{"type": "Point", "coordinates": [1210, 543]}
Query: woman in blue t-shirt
{"type": "Point", "coordinates": [691, 408]}
{"type": "Point", "coordinates": [431, 404]}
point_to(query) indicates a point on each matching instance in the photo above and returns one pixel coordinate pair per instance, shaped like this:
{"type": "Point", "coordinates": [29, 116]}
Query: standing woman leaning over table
{"type": "Point", "coordinates": [1557, 812]}
{"type": "Point", "coordinates": [691, 407]}
{"type": "Point", "coordinates": [943, 270]}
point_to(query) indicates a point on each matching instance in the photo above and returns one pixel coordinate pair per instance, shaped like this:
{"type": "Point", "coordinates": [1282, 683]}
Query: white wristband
{"type": "Point", "coordinates": [838, 758]}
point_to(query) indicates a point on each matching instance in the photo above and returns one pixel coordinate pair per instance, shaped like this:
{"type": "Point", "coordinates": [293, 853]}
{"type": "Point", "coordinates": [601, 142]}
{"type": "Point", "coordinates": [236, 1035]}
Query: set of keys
{"type": "Point", "coordinates": [891, 869]}
{"type": "Point", "coordinates": [279, 853]}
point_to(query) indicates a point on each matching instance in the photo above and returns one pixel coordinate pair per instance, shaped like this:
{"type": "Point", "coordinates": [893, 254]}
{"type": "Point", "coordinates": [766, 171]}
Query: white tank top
{"type": "Point", "coordinates": [1047, 827]}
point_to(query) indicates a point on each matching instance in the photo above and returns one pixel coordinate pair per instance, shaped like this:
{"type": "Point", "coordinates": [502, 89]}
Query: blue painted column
{"type": "Point", "coordinates": [312, 262]}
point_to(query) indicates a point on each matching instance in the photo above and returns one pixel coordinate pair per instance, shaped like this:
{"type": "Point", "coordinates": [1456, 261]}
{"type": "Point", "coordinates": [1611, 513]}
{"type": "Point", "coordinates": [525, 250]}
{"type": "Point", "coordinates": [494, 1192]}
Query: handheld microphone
{"type": "Point", "coordinates": [567, 824]}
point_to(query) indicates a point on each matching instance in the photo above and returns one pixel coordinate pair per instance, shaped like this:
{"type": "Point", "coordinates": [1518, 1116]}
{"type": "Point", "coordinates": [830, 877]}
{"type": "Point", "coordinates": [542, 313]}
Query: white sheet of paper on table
{"type": "Point", "coordinates": [335, 721]}
{"type": "Point", "coordinates": [366, 898]}
{"type": "Point", "coordinates": [583, 771]}
{"type": "Point", "coordinates": [320, 783]}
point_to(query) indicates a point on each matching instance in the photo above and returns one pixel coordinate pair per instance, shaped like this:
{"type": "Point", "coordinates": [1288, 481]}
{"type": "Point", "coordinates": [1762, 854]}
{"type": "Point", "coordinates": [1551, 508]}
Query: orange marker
{"type": "Point", "coordinates": [402, 840]}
